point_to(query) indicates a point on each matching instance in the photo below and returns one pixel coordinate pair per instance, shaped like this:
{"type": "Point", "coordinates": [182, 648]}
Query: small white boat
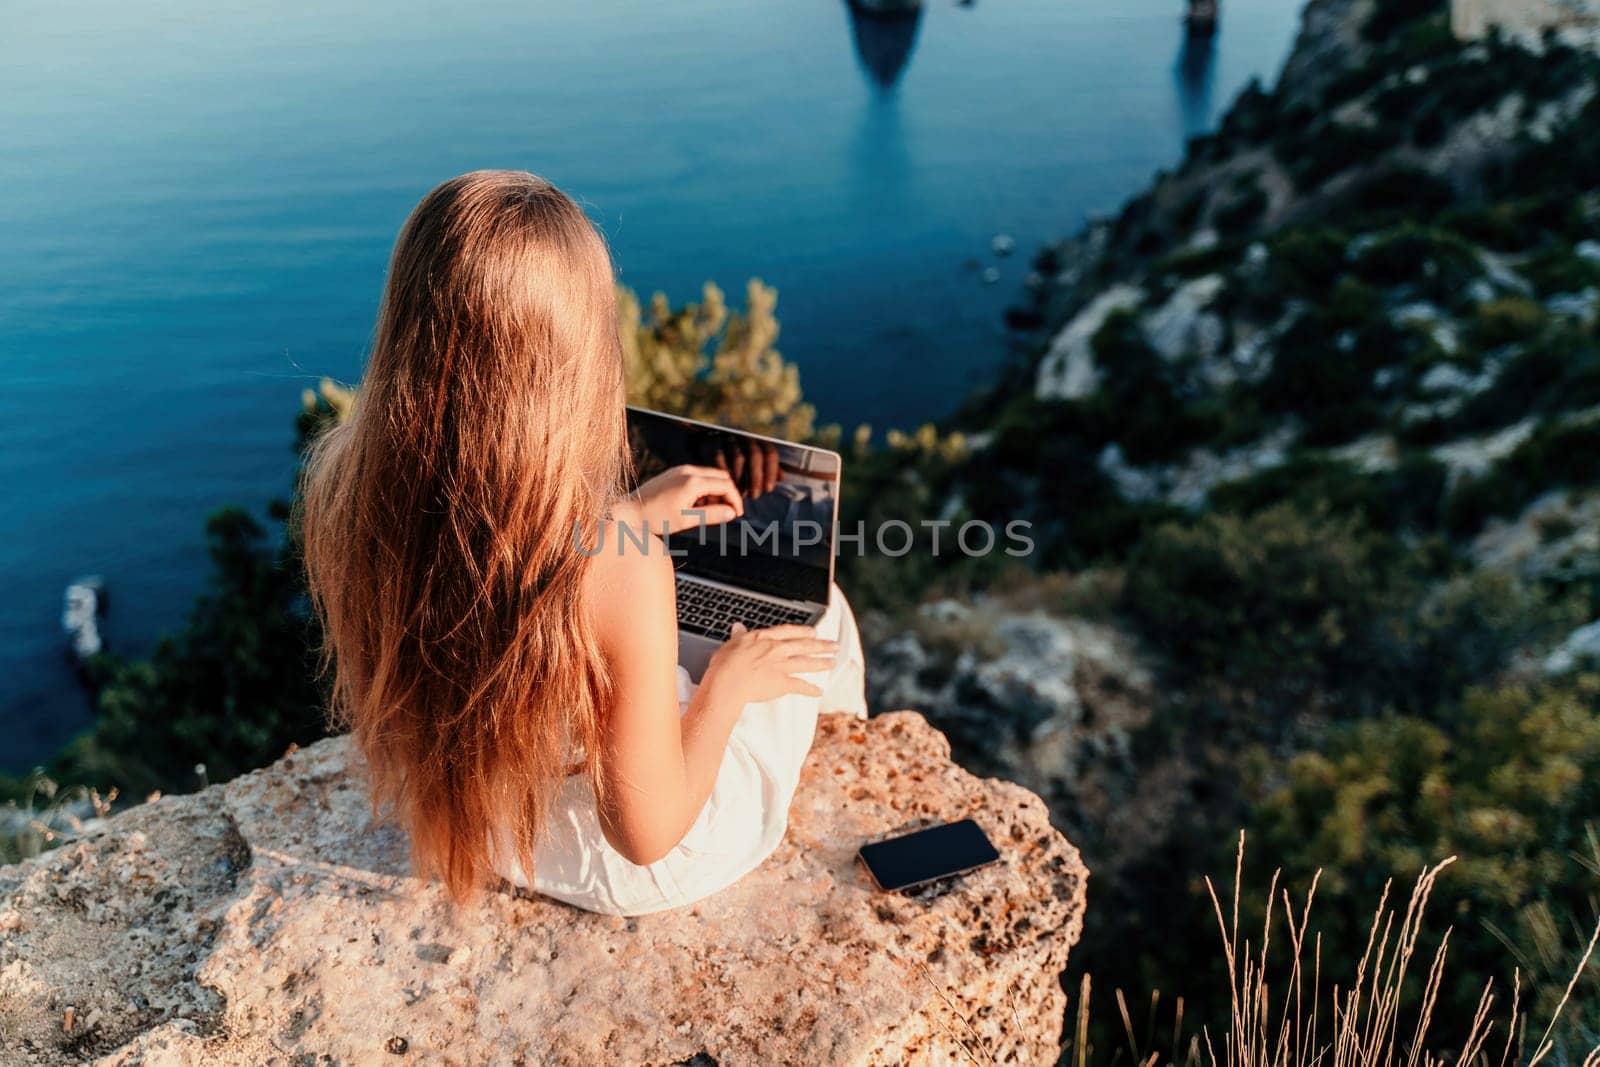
{"type": "Point", "coordinates": [81, 608]}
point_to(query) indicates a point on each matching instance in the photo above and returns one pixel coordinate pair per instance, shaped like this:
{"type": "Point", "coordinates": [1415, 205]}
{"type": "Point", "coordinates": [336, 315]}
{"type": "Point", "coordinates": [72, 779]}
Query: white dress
{"type": "Point", "coordinates": [742, 822]}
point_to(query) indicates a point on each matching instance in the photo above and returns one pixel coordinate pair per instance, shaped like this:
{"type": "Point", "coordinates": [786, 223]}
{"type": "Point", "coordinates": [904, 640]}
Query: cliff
{"type": "Point", "coordinates": [269, 920]}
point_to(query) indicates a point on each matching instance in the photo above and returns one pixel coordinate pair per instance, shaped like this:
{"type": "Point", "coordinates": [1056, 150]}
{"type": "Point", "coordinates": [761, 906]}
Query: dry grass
{"type": "Point", "coordinates": [974, 1045]}
{"type": "Point", "coordinates": [47, 817]}
{"type": "Point", "coordinates": [13, 1010]}
{"type": "Point", "coordinates": [1299, 1019]}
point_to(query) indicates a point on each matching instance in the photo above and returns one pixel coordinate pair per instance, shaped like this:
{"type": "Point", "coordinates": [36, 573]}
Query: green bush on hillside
{"type": "Point", "coordinates": [1557, 268]}
{"type": "Point", "coordinates": [1281, 604]}
{"type": "Point", "coordinates": [1138, 404]}
{"type": "Point", "coordinates": [1432, 263]}
{"type": "Point", "coordinates": [1324, 369]}
{"type": "Point", "coordinates": [1508, 781]}
{"type": "Point", "coordinates": [1408, 497]}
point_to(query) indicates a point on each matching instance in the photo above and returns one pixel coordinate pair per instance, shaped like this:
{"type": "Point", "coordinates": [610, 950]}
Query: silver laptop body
{"type": "Point", "coordinates": [772, 566]}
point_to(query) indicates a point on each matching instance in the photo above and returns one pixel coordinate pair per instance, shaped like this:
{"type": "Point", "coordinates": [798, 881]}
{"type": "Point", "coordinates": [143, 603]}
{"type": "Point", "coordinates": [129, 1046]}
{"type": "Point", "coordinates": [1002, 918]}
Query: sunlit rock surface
{"type": "Point", "coordinates": [267, 921]}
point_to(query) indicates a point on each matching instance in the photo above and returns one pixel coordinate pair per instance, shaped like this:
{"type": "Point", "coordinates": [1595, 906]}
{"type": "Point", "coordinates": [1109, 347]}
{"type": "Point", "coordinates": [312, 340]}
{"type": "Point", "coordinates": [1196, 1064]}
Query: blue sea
{"type": "Point", "coordinates": [197, 200]}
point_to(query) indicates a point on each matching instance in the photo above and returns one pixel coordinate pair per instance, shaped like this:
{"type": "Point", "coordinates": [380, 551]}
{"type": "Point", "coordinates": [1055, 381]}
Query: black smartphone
{"type": "Point", "coordinates": [927, 855]}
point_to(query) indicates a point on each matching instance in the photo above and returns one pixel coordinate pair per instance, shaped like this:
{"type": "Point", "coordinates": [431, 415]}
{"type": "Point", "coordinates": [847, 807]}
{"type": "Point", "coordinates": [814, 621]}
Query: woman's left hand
{"type": "Point", "coordinates": [679, 496]}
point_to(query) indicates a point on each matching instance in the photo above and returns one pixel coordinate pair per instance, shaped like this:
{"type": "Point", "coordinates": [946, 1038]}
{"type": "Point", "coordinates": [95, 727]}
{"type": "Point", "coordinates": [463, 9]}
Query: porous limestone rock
{"type": "Point", "coordinates": [269, 921]}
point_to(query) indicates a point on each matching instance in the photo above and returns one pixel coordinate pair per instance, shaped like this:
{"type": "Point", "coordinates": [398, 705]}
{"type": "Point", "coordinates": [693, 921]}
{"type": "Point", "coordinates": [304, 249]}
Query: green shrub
{"type": "Point", "coordinates": [1468, 630]}
{"type": "Point", "coordinates": [1280, 604]}
{"type": "Point", "coordinates": [1557, 268]}
{"type": "Point", "coordinates": [1508, 781]}
{"type": "Point", "coordinates": [1505, 320]}
{"type": "Point", "coordinates": [1392, 193]}
{"type": "Point", "coordinates": [1514, 224]}
{"type": "Point", "coordinates": [1308, 261]}
{"type": "Point", "coordinates": [1408, 497]}
{"type": "Point", "coordinates": [1194, 262]}
{"type": "Point", "coordinates": [1325, 363]}
{"type": "Point", "coordinates": [1558, 371]}
{"type": "Point", "coordinates": [1390, 16]}
{"type": "Point", "coordinates": [1434, 263]}
{"type": "Point", "coordinates": [1244, 207]}
{"type": "Point", "coordinates": [1317, 152]}
{"type": "Point", "coordinates": [1138, 404]}
{"type": "Point", "coordinates": [708, 362]}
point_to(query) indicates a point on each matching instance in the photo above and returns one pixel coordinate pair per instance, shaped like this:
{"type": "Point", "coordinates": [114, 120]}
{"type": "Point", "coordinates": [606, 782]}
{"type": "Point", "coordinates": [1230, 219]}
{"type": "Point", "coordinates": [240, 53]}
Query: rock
{"type": "Point", "coordinates": [1328, 44]}
{"type": "Point", "coordinates": [1474, 455]}
{"type": "Point", "coordinates": [1141, 485]}
{"type": "Point", "coordinates": [1003, 244]}
{"type": "Point", "coordinates": [1447, 378]}
{"type": "Point", "coordinates": [1500, 272]}
{"type": "Point", "coordinates": [1051, 701]}
{"type": "Point", "coordinates": [1023, 693]}
{"type": "Point", "coordinates": [1558, 534]}
{"type": "Point", "coordinates": [1189, 483]}
{"type": "Point", "coordinates": [1253, 348]}
{"type": "Point", "coordinates": [1369, 454]}
{"type": "Point", "coordinates": [1068, 370]}
{"type": "Point", "coordinates": [1581, 305]}
{"type": "Point", "coordinates": [1581, 646]}
{"type": "Point", "coordinates": [1182, 326]}
{"type": "Point", "coordinates": [268, 920]}
{"type": "Point", "coordinates": [1429, 318]}
{"type": "Point", "coordinates": [1575, 22]}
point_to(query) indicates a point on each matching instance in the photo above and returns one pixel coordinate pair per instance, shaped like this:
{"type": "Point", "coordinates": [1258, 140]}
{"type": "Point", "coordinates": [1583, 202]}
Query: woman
{"type": "Point", "coordinates": [515, 693]}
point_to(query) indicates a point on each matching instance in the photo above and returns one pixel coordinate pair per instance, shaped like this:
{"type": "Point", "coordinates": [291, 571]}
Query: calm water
{"type": "Point", "coordinates": [196, 202]}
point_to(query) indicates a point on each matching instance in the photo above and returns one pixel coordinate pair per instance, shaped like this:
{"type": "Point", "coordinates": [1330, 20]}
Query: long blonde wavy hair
{"type": "Point", "coordinates": [439, 520]}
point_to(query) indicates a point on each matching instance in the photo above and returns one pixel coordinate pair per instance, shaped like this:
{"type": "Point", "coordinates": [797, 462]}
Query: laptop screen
{"type": "Point", "coordinates": [783, 544]}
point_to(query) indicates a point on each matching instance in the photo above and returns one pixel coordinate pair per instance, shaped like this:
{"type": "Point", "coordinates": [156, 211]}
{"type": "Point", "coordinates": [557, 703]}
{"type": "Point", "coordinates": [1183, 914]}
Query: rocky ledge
{"type": "Point", "coordinates": [270, 921]}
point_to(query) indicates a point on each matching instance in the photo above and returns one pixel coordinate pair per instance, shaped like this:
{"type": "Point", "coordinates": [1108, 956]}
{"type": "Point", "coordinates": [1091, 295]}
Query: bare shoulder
{"type": "Point", "coordinates": [627, 586]}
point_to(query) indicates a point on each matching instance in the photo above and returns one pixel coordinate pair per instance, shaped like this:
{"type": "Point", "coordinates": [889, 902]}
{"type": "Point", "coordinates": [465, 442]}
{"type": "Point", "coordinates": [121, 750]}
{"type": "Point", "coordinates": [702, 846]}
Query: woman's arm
{"type": "Point", "coordinates": [661, 767]}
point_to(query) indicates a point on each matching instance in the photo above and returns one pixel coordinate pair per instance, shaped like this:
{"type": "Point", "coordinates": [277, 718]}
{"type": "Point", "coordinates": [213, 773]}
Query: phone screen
{"type": "Point", "coordinates": [926, 855]}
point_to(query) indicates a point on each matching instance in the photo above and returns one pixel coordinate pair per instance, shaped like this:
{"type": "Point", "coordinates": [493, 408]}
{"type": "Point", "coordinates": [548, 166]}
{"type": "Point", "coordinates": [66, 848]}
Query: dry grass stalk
{"type": "Point", "coordinates": [1370, 1023]}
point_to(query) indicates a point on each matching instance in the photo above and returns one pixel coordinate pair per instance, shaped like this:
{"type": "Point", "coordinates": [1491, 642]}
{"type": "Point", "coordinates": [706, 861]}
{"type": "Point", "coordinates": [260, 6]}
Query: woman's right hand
{"type": "Point", "coordinates": [757, 665]}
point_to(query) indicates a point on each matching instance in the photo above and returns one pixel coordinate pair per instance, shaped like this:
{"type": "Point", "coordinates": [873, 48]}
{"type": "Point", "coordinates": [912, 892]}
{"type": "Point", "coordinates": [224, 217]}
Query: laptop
{"type": "Point", "coordinates": [771, 566]}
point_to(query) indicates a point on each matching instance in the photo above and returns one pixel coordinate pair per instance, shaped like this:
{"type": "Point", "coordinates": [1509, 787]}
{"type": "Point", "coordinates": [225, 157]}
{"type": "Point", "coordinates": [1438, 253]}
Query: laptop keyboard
{"type": "Point", "coordinates": [711, 611]}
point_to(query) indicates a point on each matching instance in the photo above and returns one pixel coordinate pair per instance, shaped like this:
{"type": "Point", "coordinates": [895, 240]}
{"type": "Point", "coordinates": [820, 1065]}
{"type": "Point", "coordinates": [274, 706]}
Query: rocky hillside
{"type": "Point", "coordinates": [1310, 439]}
{"type": "Point", "coordinates": [267, 921]}
{"type": "Point", "coordinates": [1389, 267]}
